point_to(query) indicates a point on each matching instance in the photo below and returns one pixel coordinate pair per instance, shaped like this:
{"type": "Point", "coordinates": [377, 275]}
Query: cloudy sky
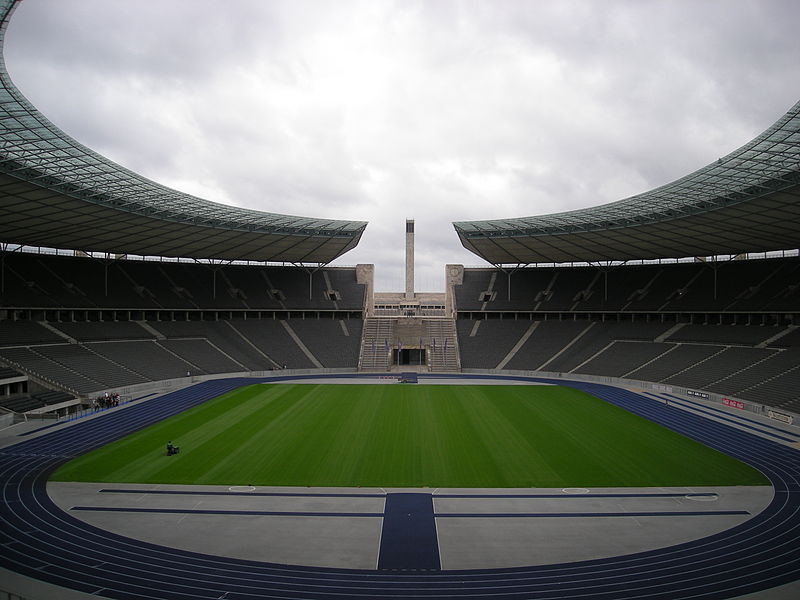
{"type": "Point", "coordinates": [436, 110]}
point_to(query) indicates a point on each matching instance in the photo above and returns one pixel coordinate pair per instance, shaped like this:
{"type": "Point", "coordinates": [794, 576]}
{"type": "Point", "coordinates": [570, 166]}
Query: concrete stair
{"type": "Point", "coordinates": [446, 356]}
{"type": "Point", "coordinates": [377, 333]}
{"type": "Point", "coordinates": [411, 333]}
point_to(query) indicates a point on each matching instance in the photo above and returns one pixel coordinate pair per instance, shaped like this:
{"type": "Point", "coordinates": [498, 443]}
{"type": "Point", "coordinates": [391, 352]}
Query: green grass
{"type": "Point", "coordinates": [410, 436]}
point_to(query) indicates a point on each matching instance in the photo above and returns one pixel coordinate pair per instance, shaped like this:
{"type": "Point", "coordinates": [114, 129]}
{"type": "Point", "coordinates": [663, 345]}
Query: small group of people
{"type": "Point", "coordinates": [172, 449]}
{"type": "Point", "coordinates": [107, 400]}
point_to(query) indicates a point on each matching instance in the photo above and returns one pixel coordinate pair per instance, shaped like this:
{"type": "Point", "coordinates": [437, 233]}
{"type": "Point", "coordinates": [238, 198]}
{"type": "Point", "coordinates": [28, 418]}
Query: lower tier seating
{"type": "Point", "coordinates": [91, 358]}
{"type": "Point", "coordinates": [739, 364]}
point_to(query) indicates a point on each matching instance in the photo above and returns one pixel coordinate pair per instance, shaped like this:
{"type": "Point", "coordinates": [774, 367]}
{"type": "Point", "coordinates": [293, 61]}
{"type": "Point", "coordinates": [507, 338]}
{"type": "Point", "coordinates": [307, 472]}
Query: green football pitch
{"type": "Point", "coordinates": [410, 436]}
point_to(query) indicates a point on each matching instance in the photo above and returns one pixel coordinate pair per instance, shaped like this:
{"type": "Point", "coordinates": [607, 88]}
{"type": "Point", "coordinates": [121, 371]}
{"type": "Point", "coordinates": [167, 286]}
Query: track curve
{"type": "Point", "coordinates": [40, 540]}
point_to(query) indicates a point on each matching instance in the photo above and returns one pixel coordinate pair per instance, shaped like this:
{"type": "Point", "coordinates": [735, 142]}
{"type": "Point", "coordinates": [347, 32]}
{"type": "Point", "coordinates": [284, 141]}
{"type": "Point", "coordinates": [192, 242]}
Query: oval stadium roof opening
{"type": "Point", "coordinates": [56, 192]}
{"type": "Point", "coordinates": [747, 201]}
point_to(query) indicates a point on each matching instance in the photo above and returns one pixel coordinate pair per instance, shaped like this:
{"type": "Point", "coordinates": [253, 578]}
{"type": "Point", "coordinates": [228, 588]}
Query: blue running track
{"type": "Point", "coordinates": [40, 540]}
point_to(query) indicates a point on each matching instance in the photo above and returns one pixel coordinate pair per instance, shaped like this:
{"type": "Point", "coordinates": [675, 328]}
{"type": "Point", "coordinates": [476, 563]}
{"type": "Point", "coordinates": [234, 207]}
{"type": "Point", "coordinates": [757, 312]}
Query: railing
{"type": "Point", "coordinates": [168, 385]}
{"type": "Point", "coordinates": [147, 258]}
{"type": "Point", "coordinates": [789, 252]}
{"type": "Point", "coordinates": [41, 378]}
{"type": "Point", "coordinates": [747, 405]}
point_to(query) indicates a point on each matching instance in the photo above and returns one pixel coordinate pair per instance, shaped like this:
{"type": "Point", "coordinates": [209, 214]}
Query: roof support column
{"type": "Point", "coordinates": [604, 269]}
{"type": "Point", "coordinates": [715, 284]}
{"type": "Point", "coordinates": [214, 266]}
{"type": "Point", "coordinates": [4, 249]}
{"type": "Point", "coordinates": [509, 273]}
{"type": "Point", "coordinates": [310, 276]}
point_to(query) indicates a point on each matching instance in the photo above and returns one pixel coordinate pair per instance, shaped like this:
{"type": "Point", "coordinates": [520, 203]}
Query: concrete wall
{"type": "Point", "coordinates": [647, 386]}
{"type": "Point", "coordinates": [169, 385]}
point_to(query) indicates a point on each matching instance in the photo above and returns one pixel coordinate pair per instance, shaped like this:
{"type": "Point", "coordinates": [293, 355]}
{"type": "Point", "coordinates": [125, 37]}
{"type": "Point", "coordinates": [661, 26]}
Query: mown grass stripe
{"type": "Point", "coordinates": [457, 436]}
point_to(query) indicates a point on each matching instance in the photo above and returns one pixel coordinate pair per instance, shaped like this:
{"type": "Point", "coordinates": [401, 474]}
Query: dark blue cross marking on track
{"type": "Point", "coordinates": [408, 539]}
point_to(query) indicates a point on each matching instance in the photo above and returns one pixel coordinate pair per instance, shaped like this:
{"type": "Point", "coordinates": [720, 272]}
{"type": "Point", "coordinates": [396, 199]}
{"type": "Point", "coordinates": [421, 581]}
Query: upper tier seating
{"type": "Point", "coordinates": [741, 286]}
{"type": "Point", "coordinates": [101, 332]}
{"type": "Point", "coordinates": [54, 281]}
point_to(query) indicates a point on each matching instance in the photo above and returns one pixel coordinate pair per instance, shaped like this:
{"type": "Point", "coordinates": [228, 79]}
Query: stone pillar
{"type": "Point", "coordinates": [409, 259]}
{"type": "Point", "coordinates": [365, 275]}
{"type": "Point", "coordinates": [454, 275]}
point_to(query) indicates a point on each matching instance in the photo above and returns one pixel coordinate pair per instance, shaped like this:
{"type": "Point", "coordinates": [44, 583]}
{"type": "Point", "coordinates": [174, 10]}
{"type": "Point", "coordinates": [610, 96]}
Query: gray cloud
{"type": "Point", "coordinates": [434, 110]}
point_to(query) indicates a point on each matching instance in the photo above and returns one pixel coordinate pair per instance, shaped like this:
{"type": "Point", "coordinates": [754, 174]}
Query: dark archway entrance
{"type": "Point", "coordinates": [409, 356]}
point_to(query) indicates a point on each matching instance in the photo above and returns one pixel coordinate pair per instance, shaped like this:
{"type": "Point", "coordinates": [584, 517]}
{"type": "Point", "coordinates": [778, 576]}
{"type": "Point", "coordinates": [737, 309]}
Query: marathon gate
{"type": "Point", "coordinates": [409, 356]}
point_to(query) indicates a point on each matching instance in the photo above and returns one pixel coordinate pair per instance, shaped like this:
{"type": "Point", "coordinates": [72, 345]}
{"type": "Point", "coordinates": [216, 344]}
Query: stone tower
{"type": "Point", "coordinates": [409, 259]}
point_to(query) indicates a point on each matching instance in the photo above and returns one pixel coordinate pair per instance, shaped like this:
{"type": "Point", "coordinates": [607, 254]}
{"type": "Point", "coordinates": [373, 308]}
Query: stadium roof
{"type": "Point", "coordinates": [747, 201]}
{"type": "Point", "coordinates": [58, 193]}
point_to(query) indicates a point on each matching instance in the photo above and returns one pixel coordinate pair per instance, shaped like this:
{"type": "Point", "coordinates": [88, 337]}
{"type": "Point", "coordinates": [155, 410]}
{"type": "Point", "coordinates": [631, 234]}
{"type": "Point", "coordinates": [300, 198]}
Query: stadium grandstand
{"type": "Point", "coordinates": [114, 284]}
{"type": "Point", "coordinates": [57, 194]}
{"type": "Point", "coordinates": [695, 284]}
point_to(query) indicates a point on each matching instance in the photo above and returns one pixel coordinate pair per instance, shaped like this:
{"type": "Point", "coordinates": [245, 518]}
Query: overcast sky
{"type": "Point", "coordinates": [435, 110]}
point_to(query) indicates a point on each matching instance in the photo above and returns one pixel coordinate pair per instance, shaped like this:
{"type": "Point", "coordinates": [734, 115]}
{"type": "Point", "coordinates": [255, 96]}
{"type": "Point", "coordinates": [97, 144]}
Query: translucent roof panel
{"type": "Point", "coordinates": [745, 201]}
{"type": "Point", "coordinates": [49, 178]}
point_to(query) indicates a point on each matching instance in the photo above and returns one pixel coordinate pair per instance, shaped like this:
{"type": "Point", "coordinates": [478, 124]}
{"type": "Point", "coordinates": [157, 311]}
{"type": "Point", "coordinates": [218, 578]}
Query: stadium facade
{"type": "Point", "coordinates": [73, 327]}
{"type": "Point", "coordinates": [55, 192]}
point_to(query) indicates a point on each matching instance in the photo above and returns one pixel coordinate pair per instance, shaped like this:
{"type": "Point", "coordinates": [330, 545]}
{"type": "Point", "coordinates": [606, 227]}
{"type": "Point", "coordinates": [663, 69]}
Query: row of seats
{"type": "Point", "coordinates": [25, 402]}
{"type": "Point", "coordinates": [759, 363]}
{"type": "Point", "coordinates": [726, 359]}
{"type": "Point", "coordinates": [733, 286]}
{"type": "Point", "coordinates": [81, 357]}
{"type": "Point", "coordinates": [52, 281]}
{"type": "Point", "coordinates": [7, 373]}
